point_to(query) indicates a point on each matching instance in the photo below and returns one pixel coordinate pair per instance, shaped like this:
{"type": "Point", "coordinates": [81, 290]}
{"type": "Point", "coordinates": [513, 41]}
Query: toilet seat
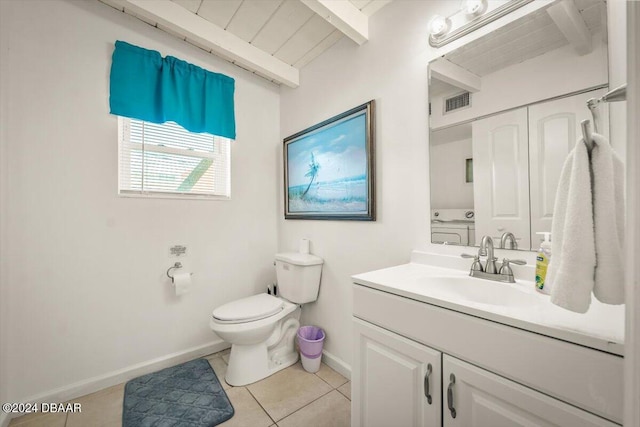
{"type": "Point", "coordinates": [244, 310]}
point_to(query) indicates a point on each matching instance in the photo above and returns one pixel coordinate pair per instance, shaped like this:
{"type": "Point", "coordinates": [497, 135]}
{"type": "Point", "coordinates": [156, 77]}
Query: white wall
{"type": "Point", "coordinates": [390, 68]}
{"type": "Point", "coordinates": [555, 73]}
{"type": "Point", "coordinates": [617, 25]}
{"type": "Point", "coordinates": [448, 172]}
{"type": "Point", "coordinates": [84, 291]}
{"type": "Point", "coordinates": [632, 241]}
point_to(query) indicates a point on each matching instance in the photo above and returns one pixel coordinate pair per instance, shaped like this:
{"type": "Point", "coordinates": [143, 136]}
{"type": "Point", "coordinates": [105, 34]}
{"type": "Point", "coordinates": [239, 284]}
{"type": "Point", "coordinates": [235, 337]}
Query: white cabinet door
{"type": "Point", "coordinates": [392, 378]}
{"type": "Point", "coordinates": [482, 399]}
{"type": "Point", "coordinates": [501, 177]}
{"type": "Point", "coordinates": [554, 128]}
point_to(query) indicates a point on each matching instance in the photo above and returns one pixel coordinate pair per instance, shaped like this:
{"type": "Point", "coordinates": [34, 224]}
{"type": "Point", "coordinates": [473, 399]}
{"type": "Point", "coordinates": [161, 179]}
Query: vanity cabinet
{"type": "Point", "coordinates": [491, 374]}
{"type": "Point", "coordinates": [399, 382]}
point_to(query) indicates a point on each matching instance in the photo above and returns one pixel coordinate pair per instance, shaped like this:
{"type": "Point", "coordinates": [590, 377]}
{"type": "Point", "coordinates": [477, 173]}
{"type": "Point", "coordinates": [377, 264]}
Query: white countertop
{"type": "Point", "coordinates": [601, 328]}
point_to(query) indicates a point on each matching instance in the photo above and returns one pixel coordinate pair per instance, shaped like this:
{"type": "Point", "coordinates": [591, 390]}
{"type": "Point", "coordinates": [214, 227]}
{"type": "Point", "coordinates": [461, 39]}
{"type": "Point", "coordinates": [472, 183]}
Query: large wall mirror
{"type": "Point", "coordinates": [505, 110]}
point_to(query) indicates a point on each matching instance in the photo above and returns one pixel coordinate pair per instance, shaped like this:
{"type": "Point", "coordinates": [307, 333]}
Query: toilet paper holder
{"type": "Point", "coordinates": [175, 266]}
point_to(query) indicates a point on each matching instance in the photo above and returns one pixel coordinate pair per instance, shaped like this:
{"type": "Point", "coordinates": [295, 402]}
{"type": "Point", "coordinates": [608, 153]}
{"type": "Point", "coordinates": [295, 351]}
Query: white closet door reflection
{"type": "Point", "coordinates": [501, 178]}
{"type": "Point", "coordinates": [554, 129]}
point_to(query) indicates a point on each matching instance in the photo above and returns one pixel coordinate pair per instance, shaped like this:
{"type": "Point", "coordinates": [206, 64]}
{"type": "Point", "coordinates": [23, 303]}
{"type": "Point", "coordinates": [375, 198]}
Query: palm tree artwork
{"type": "Point", "coordinates": [312, 172]}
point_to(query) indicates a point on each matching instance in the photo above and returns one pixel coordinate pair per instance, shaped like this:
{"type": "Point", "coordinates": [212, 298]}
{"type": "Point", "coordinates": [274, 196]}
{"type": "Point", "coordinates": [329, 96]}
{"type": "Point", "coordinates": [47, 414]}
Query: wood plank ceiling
{"type": "Point", "coordinates": [287, 30]}
{"type": "Point", "coordinates": [523, 39]}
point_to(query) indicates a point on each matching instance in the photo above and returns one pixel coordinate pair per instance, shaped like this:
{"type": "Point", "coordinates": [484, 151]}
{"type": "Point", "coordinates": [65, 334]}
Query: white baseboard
{"type": "Point", "coordinates": [91, 385]}
{"type": "Point", "coordinates": [5, 419]}
{"type": "Point", "coordinates": [337, 364]}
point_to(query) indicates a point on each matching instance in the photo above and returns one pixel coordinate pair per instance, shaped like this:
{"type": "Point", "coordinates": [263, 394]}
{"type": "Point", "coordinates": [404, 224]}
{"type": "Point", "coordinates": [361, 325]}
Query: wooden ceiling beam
{"type": "Point", "coordinates": [567, 18]}
{"type": "Point", "coordinates": [344, 16]}
{"type": "Point", "coordinates": [204, 34]}
{"type": "Point", "coordinates": [455, 75]}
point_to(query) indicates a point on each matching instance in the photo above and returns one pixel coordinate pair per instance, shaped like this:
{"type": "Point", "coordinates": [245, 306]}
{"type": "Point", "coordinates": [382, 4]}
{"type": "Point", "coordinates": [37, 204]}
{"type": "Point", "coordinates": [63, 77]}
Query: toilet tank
{"type": "Point", "coordinates": [298, 276]}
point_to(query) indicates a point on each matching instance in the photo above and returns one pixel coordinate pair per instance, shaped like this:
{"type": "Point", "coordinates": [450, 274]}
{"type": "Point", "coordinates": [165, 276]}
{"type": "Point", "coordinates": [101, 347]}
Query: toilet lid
{"type": "Point", "coordinates": [246, 309]}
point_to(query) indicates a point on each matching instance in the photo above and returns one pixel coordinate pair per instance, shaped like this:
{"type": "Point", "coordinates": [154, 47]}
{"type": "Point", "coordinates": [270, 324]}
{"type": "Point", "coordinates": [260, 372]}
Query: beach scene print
{"type": "Point", "coordinates": [327, 169]}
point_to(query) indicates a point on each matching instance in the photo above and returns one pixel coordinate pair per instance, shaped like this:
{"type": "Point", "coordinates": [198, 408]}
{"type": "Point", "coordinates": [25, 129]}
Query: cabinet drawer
{"type": "Point", "coordinates": [586, 378]}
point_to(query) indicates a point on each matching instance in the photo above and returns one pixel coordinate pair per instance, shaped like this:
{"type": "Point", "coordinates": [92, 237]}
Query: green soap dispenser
{"type": "Point", "coordinates": [542, 262]}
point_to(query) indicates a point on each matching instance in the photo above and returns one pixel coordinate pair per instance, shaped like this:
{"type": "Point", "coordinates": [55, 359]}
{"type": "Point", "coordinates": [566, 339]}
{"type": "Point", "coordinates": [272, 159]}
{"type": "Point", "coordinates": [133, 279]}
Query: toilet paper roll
{"type": "Point", "coordinates": [304, 246]}
{"type": "Point", "coordinates": [181, 283]}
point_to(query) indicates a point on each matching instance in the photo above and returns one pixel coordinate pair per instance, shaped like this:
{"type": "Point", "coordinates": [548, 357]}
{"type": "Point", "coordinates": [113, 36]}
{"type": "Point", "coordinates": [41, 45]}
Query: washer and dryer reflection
{"type": "Point", "coordinates": [453, 227]}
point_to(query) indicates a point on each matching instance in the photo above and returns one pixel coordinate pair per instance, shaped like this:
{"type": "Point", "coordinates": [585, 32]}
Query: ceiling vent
{"type": "Point", "coordinates": [457, 102]}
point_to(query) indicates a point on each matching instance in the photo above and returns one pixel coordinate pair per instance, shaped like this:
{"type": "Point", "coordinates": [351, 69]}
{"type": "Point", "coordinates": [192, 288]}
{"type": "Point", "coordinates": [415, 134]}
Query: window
{"type": "Point", "coordinates": [165, 160]}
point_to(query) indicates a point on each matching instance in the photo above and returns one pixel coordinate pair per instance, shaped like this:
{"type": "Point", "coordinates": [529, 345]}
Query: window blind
{"type": "Point", "coordinates": [166, 159]}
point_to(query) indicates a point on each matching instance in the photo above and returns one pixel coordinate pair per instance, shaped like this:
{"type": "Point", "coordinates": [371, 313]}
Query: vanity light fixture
{"type": "Point", "coordinates": [472, 15]}
{"type": "Point", "coordinates": [439, 26]}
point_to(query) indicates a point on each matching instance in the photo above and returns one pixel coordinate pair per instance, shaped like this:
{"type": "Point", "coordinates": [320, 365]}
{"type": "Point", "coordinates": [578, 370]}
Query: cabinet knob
{"type": "Point", "coordinates": [452, 381]}
{"type": "Point", "coordinates": [426, 384]}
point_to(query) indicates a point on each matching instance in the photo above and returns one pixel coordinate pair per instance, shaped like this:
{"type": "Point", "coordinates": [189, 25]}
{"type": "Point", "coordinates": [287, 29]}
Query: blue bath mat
{"type": "Point", "coordinates": [187, 395]}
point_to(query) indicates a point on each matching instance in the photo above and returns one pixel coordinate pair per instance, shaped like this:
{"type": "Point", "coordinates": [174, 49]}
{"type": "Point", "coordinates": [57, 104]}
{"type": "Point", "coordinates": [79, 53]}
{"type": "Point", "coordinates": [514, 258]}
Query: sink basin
{"type": "Point", "coordinates": [480, 291]}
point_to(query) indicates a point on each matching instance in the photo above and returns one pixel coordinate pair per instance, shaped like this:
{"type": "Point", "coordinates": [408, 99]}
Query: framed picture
{"type": "Point", "coordinates": [329, 168]}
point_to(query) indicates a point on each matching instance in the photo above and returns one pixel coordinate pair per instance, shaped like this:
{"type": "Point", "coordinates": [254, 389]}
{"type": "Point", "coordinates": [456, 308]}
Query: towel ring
{"type": "Point", "coordinates": [175, 266]}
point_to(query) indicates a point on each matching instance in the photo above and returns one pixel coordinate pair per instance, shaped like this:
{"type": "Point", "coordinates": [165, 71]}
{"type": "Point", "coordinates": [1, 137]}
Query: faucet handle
{"type": "Point", "coordinates": [505, 269]}
{"type": "Point", "coordinates": [506, 261]}
{"type": "Point", "coordinates": [476, 266]}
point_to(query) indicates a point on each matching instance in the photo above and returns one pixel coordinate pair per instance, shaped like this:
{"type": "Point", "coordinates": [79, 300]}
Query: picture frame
{"type": "Point", "coordinates": [329, 171]}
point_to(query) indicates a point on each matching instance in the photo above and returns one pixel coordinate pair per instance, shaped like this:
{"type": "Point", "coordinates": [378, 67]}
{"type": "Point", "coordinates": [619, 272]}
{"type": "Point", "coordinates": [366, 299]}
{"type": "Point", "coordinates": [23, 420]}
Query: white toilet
{"type": "Point", "coordinates": [262, 328]}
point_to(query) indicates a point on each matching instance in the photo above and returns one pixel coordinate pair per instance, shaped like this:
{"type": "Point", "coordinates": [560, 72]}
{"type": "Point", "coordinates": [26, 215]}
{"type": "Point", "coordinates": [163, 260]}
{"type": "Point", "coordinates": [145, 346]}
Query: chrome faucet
{"type": "Point", "coordinates": [490, 271]}
{"type": "Point", "coordinates": [508, 237]}
{"type": "Point", "coordinates": [486, 249]}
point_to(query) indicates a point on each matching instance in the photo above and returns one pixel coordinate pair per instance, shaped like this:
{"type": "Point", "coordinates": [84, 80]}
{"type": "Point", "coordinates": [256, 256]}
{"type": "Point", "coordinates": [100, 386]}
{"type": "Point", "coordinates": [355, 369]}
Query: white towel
{"type": "Point", "coordinates": [573, 256]}
{"type": "Point", "coordinates": [608, 219]}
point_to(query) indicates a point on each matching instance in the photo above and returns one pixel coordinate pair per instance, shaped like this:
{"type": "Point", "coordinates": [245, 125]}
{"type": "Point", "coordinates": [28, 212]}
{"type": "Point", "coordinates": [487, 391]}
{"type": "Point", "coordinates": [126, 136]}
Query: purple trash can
{"type": "Point", "coordinates": [310, 341]}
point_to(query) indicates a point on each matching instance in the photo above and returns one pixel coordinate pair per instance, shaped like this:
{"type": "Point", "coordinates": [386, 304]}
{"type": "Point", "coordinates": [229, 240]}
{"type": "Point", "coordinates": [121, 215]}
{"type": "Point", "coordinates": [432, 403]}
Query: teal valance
{"type": "Point", "coordinates": [148, 87]}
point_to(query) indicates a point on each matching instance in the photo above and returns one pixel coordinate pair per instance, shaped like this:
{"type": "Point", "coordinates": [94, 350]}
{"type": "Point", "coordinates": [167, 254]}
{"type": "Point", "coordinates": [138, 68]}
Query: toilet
{"type": "Point", "coordinates": [262, 328]}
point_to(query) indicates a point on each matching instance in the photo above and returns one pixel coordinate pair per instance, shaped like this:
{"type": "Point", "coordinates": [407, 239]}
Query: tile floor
{"type": "Point", "coordinates": [289, 398]}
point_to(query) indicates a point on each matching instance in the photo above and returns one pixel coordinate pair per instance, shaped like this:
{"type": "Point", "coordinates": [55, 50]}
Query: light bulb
{"type": "Point", "coordinates": [439, 26]}
{"type": "Point", "coordinates": [475, 7]}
